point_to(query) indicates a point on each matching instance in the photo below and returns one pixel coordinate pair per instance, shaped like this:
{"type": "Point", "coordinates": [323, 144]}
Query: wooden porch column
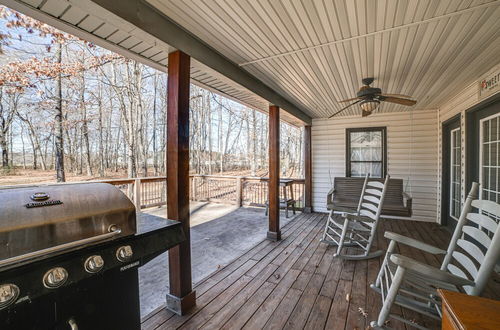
{"type": "Point", "coordinates": [181, 297]}
{"type": "Point", "coordinates": [274, 232]}
{"type": "Point", "coordinates": [307, 169]}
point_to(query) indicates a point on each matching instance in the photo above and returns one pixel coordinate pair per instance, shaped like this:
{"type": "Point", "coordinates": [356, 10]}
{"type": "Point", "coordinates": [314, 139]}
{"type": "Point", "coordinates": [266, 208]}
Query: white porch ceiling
{"type": "Point", "coordinates": [315, 52]}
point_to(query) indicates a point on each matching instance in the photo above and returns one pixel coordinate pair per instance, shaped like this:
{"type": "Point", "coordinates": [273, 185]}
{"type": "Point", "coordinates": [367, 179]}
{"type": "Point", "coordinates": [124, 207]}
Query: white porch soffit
{"type": "Point", "coordinates": [89, 21]}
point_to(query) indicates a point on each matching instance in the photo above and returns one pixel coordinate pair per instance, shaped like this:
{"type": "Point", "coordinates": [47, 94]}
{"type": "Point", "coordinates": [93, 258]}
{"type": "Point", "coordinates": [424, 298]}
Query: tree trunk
{"type": "Point", "coordinates": [5, 152]}
{"type": "Point", "coordinates": [209, 133]}
{"type": "Point", "coordinates": [155, 151]}
{"type": "Point", "coordinates": [24, 149]}
{"type": "Point", "coordinates": [6, 119]}
{"type": "Point", "coordinates": [101, 129]}
{"type": "Point", "coordinates": [85, 128]}
{"type": "Point", "coordinates": [254, 143]}
{"type": "Point", "coordinates": [221, 147]}
{"type": "Point", "coordinates": [59, 143]}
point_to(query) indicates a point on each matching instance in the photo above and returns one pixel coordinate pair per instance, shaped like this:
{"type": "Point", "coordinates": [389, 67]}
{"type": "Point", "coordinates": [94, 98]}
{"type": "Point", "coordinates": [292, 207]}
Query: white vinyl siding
{"type": "Point", "coordinates": [328, 155]}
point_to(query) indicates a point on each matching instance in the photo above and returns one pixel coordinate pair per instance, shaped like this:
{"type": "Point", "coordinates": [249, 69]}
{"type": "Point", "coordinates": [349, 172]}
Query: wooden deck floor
{"type": "Point", "coordinates": [297, 284]}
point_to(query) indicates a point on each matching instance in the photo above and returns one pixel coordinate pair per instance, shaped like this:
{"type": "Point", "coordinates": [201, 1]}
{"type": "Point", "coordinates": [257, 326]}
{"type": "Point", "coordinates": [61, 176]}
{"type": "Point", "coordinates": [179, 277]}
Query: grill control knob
{"type": "Point", "coordinates": [93, 264]}
{"type": "Point", "coordinates": [55, 277]}
{"type": "Point", "coordinates": [8, 294]}
{"type": "Point", "coordinates": [124, 253]}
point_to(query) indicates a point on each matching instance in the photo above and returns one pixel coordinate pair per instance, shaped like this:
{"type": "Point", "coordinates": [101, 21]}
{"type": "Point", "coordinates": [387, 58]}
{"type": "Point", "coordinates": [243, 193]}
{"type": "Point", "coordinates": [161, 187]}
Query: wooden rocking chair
{"type": "Point", "coordinates": [473, 251]}
{"type": "Point", "coordinates": [358, 229]}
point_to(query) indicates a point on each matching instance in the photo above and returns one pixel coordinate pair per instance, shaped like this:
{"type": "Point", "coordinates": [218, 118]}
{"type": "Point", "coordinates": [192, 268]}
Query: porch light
{"type": "Point", "coordinates": [369, 105]}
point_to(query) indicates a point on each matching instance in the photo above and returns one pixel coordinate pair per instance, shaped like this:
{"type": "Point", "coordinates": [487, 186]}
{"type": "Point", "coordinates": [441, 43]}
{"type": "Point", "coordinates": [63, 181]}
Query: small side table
{"type": "Point", "coordinates": [285, 202]}
{"type": "Point", "coordinates": [461, 311]}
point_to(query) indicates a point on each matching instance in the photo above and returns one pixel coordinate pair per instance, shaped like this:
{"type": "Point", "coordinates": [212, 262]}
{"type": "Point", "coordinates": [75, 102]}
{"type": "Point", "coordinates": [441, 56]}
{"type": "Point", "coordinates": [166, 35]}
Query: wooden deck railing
{"type": "Point", "coordinates": [236, 190]}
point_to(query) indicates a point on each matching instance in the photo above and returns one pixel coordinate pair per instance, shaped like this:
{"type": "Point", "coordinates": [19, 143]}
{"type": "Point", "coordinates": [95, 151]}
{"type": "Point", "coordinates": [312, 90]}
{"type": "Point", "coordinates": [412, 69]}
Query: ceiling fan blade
{"type": "Point", "coordinates": [396, 95]}
{"type": "Point", "coordinates": [336, 113]}
{"type": "Point", "coordinates": [349, 100]}
{"type": "Point", "coordinates": [399, 100]}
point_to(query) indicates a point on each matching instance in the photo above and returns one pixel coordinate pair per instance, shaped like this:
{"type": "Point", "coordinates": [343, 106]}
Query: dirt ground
{"type": "Point", "coordinates": [29, 176]}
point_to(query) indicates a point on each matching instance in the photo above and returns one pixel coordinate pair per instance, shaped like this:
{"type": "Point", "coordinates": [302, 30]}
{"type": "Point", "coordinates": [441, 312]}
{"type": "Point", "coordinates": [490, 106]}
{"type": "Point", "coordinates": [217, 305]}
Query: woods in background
{"type": "Point", "coordinates": [68, 105]}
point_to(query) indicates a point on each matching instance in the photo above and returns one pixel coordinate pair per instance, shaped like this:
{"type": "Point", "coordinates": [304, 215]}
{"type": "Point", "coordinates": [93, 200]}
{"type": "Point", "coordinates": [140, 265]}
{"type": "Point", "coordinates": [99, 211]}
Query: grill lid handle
{"type": "Point", "coordinates": [113, 231]}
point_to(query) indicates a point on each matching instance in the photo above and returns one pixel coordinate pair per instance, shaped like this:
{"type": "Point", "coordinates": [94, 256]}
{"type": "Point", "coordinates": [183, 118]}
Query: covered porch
{"type": "Point", "coordinates": [297, 284]}
{"type": "Point", "coordinates": [298, 64]}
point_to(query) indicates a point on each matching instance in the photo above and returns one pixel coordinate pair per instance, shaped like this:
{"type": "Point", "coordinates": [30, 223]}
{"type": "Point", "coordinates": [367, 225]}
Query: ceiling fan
{"type": "Point", "coordinates": [369, 98]}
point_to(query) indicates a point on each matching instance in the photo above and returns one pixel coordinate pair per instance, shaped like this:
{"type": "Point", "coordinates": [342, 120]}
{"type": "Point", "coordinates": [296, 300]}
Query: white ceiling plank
{"type": "Point", "coordinates": [400, 12]}
{"type": "Point", "coordinates": [55, 7]}
{"type": "Point", "coordinates": [74, 15]}
{"type": "Point", "coordinates": [118, 36]}
{"type": "Point", "coordinates": [105, 30]}
{"type": "Point", "coordinates": [462, 65]}
{"type": "Point", "coordinates": [90, 23]}
{"type": "Point", "coordinates": [130, 42]}
{"type": "Point", "coordinates": [33, 3]}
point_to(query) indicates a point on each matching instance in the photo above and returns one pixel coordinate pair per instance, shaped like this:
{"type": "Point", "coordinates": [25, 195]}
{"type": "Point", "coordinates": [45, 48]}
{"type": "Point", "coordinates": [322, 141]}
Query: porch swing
{"type": "Point", "coordinates": [346, 191]}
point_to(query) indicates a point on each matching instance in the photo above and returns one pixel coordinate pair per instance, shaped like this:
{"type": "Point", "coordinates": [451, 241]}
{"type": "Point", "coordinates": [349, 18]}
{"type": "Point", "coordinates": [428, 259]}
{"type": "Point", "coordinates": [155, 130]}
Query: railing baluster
{"type": "Point", "coordinates": [217, 188]}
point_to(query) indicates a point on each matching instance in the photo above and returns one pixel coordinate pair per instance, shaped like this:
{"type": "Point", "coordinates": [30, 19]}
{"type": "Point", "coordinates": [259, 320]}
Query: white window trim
{"type": "Point", "coordinates": [452, 147]}
{"type": "Point", "coordinates": [481, 150]}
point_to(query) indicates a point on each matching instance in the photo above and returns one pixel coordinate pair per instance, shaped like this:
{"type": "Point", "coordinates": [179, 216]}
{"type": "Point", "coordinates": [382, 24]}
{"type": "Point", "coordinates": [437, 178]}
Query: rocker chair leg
{"type": "Point", "coordinates": [371, 255]}
{"type": "Point", "coordinates": [389, 299]}
{"type": "Point", "coordinates": [342, 237]}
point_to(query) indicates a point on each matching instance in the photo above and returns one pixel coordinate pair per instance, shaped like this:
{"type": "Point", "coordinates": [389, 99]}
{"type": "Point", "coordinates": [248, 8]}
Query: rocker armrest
{"type": "Point", "coordinates": [413, 243]}
{"type": "Point", "coordinates": [352, 216]}
{"type": "Point", "coordinates": [429, 271]}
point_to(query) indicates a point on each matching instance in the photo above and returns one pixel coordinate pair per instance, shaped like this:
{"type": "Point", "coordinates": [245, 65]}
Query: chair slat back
{"type": "Point", "coordinates": [363, 190]}
{"type": "Point", "coordinates": [475, 246]}
{"type": "Point", "coordinates": [372, 198]}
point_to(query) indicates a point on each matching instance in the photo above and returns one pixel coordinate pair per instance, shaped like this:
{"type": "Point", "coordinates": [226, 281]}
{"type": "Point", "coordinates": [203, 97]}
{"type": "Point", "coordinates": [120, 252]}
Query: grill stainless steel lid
{"type": "Point", "coordinates": [38, 221]}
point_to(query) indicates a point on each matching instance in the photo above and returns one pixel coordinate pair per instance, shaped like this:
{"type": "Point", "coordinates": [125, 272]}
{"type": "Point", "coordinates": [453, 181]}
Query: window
{"type": "Point", "coordinates": [366, 150]}
{"type": "Point", "coordinates": [455, 176]}
{"type": "Point", "coordinates": [490, 158]}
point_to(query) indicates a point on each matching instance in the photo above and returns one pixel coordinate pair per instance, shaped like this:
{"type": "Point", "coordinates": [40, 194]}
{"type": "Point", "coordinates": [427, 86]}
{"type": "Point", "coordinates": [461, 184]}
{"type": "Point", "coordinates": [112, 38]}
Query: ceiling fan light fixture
{"type": "Point", "coordinates": [369, 105]}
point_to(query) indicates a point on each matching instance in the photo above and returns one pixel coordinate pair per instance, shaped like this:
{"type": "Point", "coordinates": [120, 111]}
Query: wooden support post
{"type": "Point", "coordinates": [181, 297]}
{"type": "Point", "coordinates": [239, 191]}
{"type": "Point", "coordinates": [137, 195]}
{"type": "Point", "coordinates": [307, 169]}
{"type": "Point", "coordinates": [193, 188]}
{"type": "Point", "coordinates": [274, 232]}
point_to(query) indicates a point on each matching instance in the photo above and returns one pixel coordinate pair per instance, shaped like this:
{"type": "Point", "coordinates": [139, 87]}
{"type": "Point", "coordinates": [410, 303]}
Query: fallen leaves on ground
{"type": "Point", "coordinates": [362, 312]}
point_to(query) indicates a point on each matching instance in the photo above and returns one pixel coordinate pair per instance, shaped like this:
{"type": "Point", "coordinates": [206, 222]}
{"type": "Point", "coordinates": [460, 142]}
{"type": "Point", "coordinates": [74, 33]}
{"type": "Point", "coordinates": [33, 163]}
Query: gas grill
{"type": "Point", "coordinates": [69, 256]}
